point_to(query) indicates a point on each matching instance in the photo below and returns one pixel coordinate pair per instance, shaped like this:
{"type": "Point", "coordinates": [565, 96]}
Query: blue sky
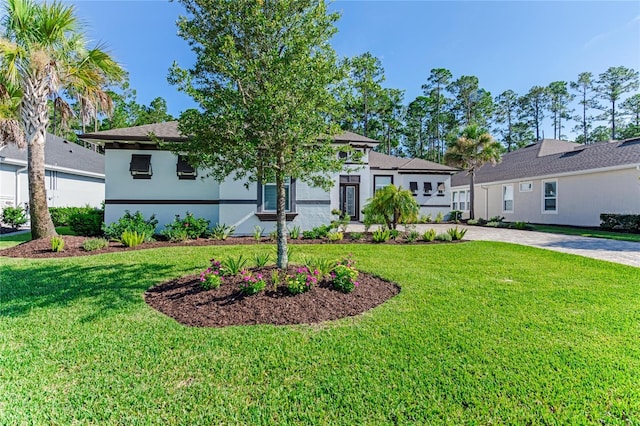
{"type": "Point", "coordinates": [506, 44]}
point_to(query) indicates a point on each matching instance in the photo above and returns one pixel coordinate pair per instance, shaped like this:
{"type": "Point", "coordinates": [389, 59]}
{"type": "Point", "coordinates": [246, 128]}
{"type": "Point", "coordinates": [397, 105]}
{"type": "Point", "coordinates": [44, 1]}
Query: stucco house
{"type": "Point", "coordinates": [142, 176]}
{"type": "Point", "coordinates": [556, 182]}
{"type": "Point", "coordinates": [74, 175]}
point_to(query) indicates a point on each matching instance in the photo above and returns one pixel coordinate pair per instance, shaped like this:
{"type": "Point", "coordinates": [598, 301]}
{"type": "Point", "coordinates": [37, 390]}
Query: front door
{"type": "Point", "coordinates": [350, 199]}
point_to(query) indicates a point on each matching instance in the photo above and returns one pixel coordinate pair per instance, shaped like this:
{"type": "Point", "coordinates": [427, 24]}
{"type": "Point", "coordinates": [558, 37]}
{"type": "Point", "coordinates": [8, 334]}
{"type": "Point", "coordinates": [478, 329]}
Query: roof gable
{"type": "Point", "coordinates": [387, 162]}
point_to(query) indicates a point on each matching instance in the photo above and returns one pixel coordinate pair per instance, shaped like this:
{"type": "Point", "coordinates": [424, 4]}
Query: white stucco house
{"type": "Point", "coordinates": [140, 176]}
{"type": "Point", "coordinates": [556, 182]}
{"type": "Point", "coordinates": [74, 175]}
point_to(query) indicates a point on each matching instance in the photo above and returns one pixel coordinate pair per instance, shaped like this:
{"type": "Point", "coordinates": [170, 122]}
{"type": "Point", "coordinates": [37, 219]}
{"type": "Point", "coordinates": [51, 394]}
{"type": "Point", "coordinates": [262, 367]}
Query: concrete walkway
{"type": "Point", "coordinates": [625, 252]}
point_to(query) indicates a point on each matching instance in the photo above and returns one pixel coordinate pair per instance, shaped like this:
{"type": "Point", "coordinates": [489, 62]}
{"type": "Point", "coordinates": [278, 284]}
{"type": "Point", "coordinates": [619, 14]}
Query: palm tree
{"type": "Point", "coordinates": [43, 55]}
{"type": "Point", "coordinates": [473, 148]}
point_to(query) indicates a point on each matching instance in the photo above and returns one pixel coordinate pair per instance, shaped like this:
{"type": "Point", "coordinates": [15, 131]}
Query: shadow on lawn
{"type": "Point", "coordinates": [102, 288]}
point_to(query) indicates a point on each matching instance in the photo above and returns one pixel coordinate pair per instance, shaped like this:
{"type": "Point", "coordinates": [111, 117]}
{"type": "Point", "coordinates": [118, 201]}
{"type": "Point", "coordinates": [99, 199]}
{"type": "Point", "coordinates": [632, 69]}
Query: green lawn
{"type": "Point", "coordinates": [588, 232]}
{"type": "Point", "coordinates": [480, 333]}
{"type": "Point", "coordinates": [12, 240]}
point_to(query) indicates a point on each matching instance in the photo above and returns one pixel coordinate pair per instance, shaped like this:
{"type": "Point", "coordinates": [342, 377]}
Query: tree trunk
{"type": "Point", "coordinates": [281, 216]}
{"type": "Point", "coordinates": [35, 117]}
{"type": "Point", "coordinates": [613, 120]}
{"type": "Point", "coordinates": [472, 193]}
{"type": "Point", "coordinates": [584, 118]}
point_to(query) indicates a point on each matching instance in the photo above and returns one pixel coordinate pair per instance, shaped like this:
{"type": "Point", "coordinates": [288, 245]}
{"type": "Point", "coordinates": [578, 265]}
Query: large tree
{"type": "Point", "coordinates": [559, 98]}
{"type": "Point", "coordinates": [435, 88]}
{"type": "Point", "coordinates": [584, 88]}
{"type": "Point", "coordinates": [263, 76]}
{"type": "Point", "coordinates": [471, 104]}
{"type": "Point", "coordinates": [534, 105]}
{"type": "Point", "coordinates": [506, 113]}
{"type": "Point", "coordinates": [610, 86]}
{"type": "Point", "coordinates": [471, 150]}
{"type": "Point", "coordinates": [44, 55]}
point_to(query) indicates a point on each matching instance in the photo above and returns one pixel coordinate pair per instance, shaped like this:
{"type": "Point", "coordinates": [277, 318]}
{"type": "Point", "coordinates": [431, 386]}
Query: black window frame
{"type": "Point", "coordinates": [184, 170]}
{"type": "Point", "coordinates": [137, 166]}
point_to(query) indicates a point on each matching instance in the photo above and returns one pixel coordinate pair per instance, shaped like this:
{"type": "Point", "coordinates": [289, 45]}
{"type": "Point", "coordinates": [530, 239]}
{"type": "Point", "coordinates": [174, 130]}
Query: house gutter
{"type": "Point", "coordinates": [18, 171]}
{"type": "Point", "coordinates": [486, 200]}
{"type": "Point", "coordinates": [60, 169]}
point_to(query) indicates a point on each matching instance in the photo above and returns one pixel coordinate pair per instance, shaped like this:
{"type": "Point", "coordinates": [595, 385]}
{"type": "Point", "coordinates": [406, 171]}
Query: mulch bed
{"type": "Point", "coordinates": [188, 303]}
{"type": "Point", "coordinates": [73, 245]}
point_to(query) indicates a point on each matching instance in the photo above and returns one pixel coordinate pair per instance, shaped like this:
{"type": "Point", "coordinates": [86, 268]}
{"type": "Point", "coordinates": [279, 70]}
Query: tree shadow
{"type": "Point", "coordinates": [101, 288]}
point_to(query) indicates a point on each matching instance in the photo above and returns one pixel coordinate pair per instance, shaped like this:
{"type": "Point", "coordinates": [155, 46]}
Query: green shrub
{"type": "Point", "coordinates": [302, 280]}
{"type": "Point", "coordinates": [335, 236]}
{"type": "Point", "coordinates": [294, 233]}
{"type": "Point", "coordinates": [456, 233]}
{"type": "Point", "coordinates": [391, 205]}
{"type": "Point", "coordinates": [87, 222]}
{"type": "Point", "coordinates": [473, 222]}
{"type": "Point", "coordinates": [356, 236]}
{"type": "Point", "coordinates": [381, 235]}
{"type": "Point", "coordinates": [496, 219]}
{"type": "Point", "coordinates": [394, 234]}
{"type": "Point", "coordinates": [322, 265]}
{"type": "Point", "coordinates": [222, 232]}
{"type": "Point", "coordinates": [412, 236]}
{"type": "Point", "coordinates": [455, 215]}
{"type": "Point", "coordinates": [14, 216]}
{"type": "Point", "coordinates": [257, 233]}
{"type": "Point", "coordinates": [429, 235]}
{"type": "Point", "coordinates": [188, 228]}
{"type": "Point", "coordinates": [341, 222]}
{"type": "Point", "coordinates": [261, 259]}
{"type": "Point", "coordinates": [57, 244]}
{"type": "Point", "coordinates": [344, 276]}
{"type": "Point", "coordinates": [210, 279]}
{"type": "Point", "coordinates": [132, 223]}
{"type": "Point", "coordinates": [95, 244]}
{"type": "Point", "coordinates": [425, 219]}
{"type": "Point", "coordinates": [316, 233]}
{"type": "Point", "coordinates": [232, 265]}
{"type": "Point", "coordinates": [132, 238]}
{"type": "Point", "coordinates": [439, 217]}
{"type": "Point", "coordinates": [521, 225]}
{"type": "Point", "coordinates": [620, 222]}
{"type": "Point", "coordinates": [493, 224]}
{"type": "Point", "coordinates": [444, 237]}
{"type": "Point", "coordinates": [251, 284]}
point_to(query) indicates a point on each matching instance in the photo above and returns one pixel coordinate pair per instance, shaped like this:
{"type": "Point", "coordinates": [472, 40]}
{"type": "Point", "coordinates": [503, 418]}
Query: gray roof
{"type": "Point", "coordinates": [169, 132]}
{"type": "Point", "coordinates": [61, 153]}
{"type": "Point", "coordinates": [552, 157]}
{"type": "Point", "coordinates": [378, 161]}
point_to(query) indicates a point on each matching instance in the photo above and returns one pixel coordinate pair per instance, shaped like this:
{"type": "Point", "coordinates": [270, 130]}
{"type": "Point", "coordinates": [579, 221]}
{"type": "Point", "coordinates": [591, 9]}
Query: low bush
{"type": "Point", "coordinates": [188, 228]}
{"type": "Point", "coordinates": [222, 232]}
{"type": "Point", "coordinates": [232, 265]}
{"type": "Point", "coordinates": [381, 235]}
{"type": "Point", "coordinates": [356, 236]}
{"type": "Point", "coordinates": [257, 233]}
{"type": "Point", "coordinates": [344, 276]}
{"type": "Point", "coordinates": [322, 265]}
{"type": "Point", "coordinates": [57, 244]}
{"type": "Point", "coordinates": [132, 223]}
{"type": "Point", "coordinates": [493, 224]}
{"type": "Point", "coordinates": [394, 234]}
{"type": "Point", "coordinates": [341, 222]}
{"type": "Point", "coordinates": [93, 244]}
{"type": "Point", "coordinates": [429, 235]}
{"type": "Point", "coordinates": [456, 233]}
{"type": "Point", "coordinates": [132, 238]}
{"type": "Point", "coordinates": [444, 237]}
{"type": "Point", "coordinates": [261, 259]}
{"type": "Point", "coordinates": [175, 235]}
{"type": "Point", "coordinates": [210, 279]}
{"type": "Point", "coordinates": [496, 219]}
{"type": "Point", "coordinates": [316, 233]}
{"type": "Point", "coordinates": [439, 217]}
{"type": "Point", "coordinates": [473, 222]}
{"type": "Point", "coordinates": [521, 225]}
{"type": "Point", "coordinates": [14, 216]}
{"type": "Point", "coordinates": [294, 233]}
{"type": "Point", "coordinates": [455, 215]}
{"type": "Point", "coordinates": [87, 222]}
{"type": "Point", "coordinates": [302, 280]}
{"type": "Point", "coordinates": [620, 222]}
{"type": "Point", "coordinates": [251, 284]}
{"type": "Point", "coordinates": [412, 236]}
{"type": "Point", "coordinates": [335, 236]}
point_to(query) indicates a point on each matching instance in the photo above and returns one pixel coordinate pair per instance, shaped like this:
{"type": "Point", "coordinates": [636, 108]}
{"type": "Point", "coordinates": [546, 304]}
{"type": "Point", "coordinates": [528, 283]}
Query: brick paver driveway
{"type": "Point", "coordinates": [625, 252]}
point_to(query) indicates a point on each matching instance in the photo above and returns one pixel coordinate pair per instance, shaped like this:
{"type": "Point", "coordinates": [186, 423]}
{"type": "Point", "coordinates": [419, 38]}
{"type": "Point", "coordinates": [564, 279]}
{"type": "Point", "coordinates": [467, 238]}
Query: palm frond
{"type": "Point", "coordinates": [12, 132]}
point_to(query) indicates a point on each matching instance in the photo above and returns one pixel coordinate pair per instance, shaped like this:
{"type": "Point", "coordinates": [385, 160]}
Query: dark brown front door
{"type": "Point", "coordinates": [350, 199]}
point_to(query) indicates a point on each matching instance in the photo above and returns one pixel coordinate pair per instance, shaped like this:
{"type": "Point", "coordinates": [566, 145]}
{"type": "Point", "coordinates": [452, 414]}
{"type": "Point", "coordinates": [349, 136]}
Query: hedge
{"type": "Point", "coordinates": [620, 222]}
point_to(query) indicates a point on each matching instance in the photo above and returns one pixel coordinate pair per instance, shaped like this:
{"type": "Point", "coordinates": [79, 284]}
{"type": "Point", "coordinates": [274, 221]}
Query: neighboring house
{"type": "Point", "coordinates": [74, 175]}
{"type": "Point", "coordinates": [141, 176]}
{"type": "Point", "coordinates": [556, 182]}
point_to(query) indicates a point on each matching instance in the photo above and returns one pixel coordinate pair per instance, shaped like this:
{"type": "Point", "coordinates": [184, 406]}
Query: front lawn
{"type": "Point", "coordinates": [13, 240]}
{"type": "Point", "coordinates": [588, 232]}
{"type": "Point", "coordinates": [480, 333]}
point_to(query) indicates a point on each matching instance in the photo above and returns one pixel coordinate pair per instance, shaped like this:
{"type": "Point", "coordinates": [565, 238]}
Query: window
{"type": "Point", "coordinates": [427, 188]}
{"type": "Point", "coordinates": [184, 169]}
{"type": "Point", "coordinates": [507, 198]}
{"type": "Point", "coordinates": [413, 186]}
{"type": "Point", "coordinates": [440, 189]}
{"type": "Point", "coordinates": [454, 201]}
{"type": "Point", "coordinates": [550, 196]}
{"type": "Point", "coordinates": [380, 182]}
{"type": "Point", "coordinates": [269, 197]}
{"type": "Point", "coordinates": [140, 166]}
{"type": "Point", "coordinates": [349, 179]}
{"type": "Point", "coordinates": [526, 186]}
{"type": "Point", "coordinates": [463, 200]}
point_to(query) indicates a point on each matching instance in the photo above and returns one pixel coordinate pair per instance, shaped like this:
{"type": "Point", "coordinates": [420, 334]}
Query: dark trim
{"type": "Point", "coordinates": [127, 139]}
{"type": "Point", "coordinates": [292, 197]}
{"type": "Point", "coordinates": [313, 202]}
{"type": "Point", "coordinates": [423, 172]}
{"type": "Point", "coordinates": [436, 205]}
{"type": "Point", "coordinates": [272, 217]}
{"type": "Point", "coordinates": [138, 146]}
{"type": "Point", "coordinates": [236, 202]}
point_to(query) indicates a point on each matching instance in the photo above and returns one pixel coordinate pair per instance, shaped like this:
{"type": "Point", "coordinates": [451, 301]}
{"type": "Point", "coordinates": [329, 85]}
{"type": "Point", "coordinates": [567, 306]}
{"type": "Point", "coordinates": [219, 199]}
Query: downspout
{"type": "Point", "coordinates": [23, 169]}
{"type": "Point", "coordinates": [486, 201]}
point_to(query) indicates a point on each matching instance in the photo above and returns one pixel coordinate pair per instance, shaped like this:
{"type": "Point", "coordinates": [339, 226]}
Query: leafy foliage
{"type": "Point", "coordinates": [87, 222]}
{"type": "Point", "coordinates": [429, 235]}
{"type": "Point", "coordinates": [344, 276]}
{"type": "Point", "coordinates": [57, 244]}
{"type": "Point", "coordinates": [381, 235]}
{"type": "Point", "coordinates": [456, 233]}
{"type": "Point", "coordinates": [302, 280]}
{"type": "Point", "coordinates": [93, 244]}
{"type": "Point", "coordinates": [132, 238]}
{"type": "Point", "coordinates": [188, 228]}
{"type": "Point", "coordinates": [316, 233]}
{"type": "Point", "coordinates": [14, 216]}
{"type": "Point", "coordinates": [132, 223]}
{"type": "Point", "coordinates": [232, 265]}
{"type": "Point", "coordinates": [222, 231]}
{"type": "Point", "coordinates": [295, 231]}
{"type": "Point", "coordinates": [251, 283]}
{"type": "Point", "coordinates": [391, 205]}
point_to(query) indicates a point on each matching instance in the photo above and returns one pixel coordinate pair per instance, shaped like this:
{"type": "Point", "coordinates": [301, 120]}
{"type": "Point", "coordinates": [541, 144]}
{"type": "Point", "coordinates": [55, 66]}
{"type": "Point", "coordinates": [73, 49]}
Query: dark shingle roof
{"type": "Point", "coordinates": [551, 157]}
{"type": "Point", "coordinates": [61, 153]}
{"type": "Point", "coordinates": [380, 161]}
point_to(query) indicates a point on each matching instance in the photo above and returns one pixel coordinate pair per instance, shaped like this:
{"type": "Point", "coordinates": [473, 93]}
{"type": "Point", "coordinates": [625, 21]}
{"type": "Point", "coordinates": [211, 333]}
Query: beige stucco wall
{"type": "Point", "coordinates": [580, 201]}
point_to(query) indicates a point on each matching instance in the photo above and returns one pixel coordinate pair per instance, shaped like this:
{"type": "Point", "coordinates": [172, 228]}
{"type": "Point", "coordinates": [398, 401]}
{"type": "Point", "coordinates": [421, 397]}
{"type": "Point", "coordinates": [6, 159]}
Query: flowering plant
{"type": "Point", "coordinates": [212, 276]}
{"type": "Point", "coordinates": [344, 275]}
{"type": "Point", "coordinates": [303, 280]}
{"type": "Point", "coordinates": [251, 284]}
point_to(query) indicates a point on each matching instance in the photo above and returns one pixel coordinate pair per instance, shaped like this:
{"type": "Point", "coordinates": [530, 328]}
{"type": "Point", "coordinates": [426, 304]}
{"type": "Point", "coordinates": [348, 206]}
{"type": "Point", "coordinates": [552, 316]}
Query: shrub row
{"type": "Point", "coordinates": [620, 222]}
